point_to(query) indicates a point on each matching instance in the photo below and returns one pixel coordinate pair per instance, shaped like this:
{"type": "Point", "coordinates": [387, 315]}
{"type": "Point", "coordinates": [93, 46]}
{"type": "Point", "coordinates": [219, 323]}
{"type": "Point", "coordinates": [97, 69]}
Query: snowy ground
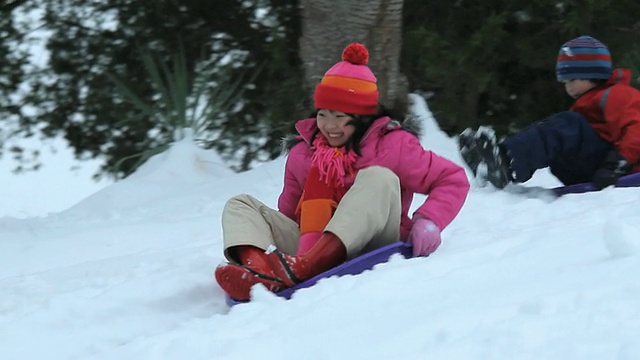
{"type": "Point", "coordinates": [127, 274]}
{"type": "Point", "coordinates": [60, 183]}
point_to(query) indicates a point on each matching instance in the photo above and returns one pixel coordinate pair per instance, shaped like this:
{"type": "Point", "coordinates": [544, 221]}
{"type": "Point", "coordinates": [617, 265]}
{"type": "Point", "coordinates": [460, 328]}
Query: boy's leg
{"type": "Point", "coordinates": [558, 141]}
{"type": "Point", "coordinates": [580, 166]}
{"type": "Point", "coordinates": [247, 221]}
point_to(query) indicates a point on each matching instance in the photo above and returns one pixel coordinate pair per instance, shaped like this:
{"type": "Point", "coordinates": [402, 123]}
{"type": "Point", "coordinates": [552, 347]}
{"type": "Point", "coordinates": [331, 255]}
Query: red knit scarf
{"type": "Point", "coordinates": [334, 164]}
{"type": "Point", "coordinates": [325, 184]}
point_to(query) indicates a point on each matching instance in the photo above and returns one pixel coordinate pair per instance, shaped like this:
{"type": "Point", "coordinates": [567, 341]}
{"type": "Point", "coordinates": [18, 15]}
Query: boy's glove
{"type": "Point", "coordinates": [425, 236]}
{"type": "Point", "coordinates": [614, 166]}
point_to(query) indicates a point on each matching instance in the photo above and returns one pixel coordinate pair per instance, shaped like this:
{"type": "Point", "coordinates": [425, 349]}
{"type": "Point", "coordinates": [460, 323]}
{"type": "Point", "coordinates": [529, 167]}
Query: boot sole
{"type": "Point", "coordinates": [237, 281]}
{"type": "Point", "coordinates": [488, 148]}
{"type": "Point", "coordinates": [469, 151]}
{"type": "Point", "coordinates": [479, 148]}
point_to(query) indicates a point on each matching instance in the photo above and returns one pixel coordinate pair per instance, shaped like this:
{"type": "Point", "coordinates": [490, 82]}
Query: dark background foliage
{"type": "Point", "coordinates": [493, 62]}
{"type": "Point", "coordinates": [478, 62]}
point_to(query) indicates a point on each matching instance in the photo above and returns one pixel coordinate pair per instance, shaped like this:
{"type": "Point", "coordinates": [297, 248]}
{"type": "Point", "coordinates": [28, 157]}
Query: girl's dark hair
{"type": "Point", "coordinates": [361, 124]}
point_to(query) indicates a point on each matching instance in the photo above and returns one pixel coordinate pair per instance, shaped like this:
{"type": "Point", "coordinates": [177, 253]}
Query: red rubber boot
{"type": "Point", "coordinates": [328, 252]}
{"type": "Point", "coordinates": [237, 280]}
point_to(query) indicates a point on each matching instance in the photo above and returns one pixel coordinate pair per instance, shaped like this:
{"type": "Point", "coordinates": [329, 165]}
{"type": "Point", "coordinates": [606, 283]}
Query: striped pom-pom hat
{"type": "Point", "coordinates": [583, 58]}
{"type": "Point", "coordinates": [349, 86]}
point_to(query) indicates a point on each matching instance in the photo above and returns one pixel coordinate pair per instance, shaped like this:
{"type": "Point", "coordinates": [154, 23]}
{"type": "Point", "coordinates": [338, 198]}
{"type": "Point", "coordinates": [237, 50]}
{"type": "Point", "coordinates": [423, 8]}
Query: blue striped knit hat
{"type": "Point", "coordinates": [583, 58]}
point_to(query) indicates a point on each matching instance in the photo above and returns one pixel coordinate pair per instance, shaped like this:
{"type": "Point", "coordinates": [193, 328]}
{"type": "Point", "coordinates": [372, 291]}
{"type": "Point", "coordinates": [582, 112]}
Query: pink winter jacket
{"type": "Point", "coordinates": [387, 144]}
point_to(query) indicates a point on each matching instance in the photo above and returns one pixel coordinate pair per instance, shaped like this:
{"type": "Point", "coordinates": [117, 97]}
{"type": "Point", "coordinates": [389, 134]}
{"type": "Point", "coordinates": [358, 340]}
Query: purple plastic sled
{"type": "Point", "coordinates": [352, 267]}
{"type": "Point", "coordinates": [631, 180]}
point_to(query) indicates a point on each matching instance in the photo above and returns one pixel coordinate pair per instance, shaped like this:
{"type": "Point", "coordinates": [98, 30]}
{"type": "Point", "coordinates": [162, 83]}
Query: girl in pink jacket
{"type": "Point", "coordinates": [349, 183]}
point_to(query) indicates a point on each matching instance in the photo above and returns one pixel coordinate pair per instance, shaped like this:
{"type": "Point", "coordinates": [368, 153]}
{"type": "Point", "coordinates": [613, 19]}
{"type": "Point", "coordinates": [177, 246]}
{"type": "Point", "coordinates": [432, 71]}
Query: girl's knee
{"type": "Point", "coordinates": [378, 174]}
{"type": "Point", "coordinates": [240, 200]}
{"type": "Point", "coordinates": [376, 181]}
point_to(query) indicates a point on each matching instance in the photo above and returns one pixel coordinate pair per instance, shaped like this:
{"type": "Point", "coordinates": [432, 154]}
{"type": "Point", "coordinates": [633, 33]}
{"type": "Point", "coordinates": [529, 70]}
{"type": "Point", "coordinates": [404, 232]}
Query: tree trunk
{"type": "Point", "coordinates": [328, 26]}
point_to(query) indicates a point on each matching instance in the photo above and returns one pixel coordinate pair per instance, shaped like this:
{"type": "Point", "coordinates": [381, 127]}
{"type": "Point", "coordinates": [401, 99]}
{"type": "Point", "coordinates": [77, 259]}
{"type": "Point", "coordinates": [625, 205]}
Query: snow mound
{"type": "Point", "coordinates": [173, 174]}
{"type": "Point", "coordinates": [185, 162]}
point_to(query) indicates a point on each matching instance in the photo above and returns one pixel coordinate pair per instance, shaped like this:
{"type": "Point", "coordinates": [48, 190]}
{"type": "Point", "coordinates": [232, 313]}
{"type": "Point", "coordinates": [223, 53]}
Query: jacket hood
{"type": "Point", "coordinates": [620, 76]}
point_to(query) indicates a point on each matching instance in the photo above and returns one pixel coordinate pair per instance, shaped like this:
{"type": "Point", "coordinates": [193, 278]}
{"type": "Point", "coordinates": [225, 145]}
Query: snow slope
{"type": "Point", "coordinates": [127, 274]}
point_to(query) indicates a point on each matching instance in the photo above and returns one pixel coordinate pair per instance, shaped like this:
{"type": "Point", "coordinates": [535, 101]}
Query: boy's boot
{"type": "Point", "coordinates": [237, 280]}
{"type": "Point", "coordinates": [327, 253]}
{"type": "Point", "coordinates": [498, 171]}
{"type": "Point", "coordinates": [469, 151]}
{"type": "Point", "coordinates": [486, 159]}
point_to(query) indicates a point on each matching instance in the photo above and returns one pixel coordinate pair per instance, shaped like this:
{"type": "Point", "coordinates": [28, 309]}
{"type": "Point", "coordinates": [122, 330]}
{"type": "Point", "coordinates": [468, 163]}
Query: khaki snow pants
{"type": "Point", "coordinates": [367, 217]}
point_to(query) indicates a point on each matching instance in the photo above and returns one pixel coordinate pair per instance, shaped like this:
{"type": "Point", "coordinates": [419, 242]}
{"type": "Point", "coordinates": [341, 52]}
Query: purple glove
{"type": "Point", "coordinates": [425, 236]}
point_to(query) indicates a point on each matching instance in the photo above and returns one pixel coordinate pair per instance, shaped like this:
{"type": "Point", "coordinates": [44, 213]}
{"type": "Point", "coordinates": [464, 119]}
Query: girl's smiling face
{"type": "Point", "coordinates": [335, 126]}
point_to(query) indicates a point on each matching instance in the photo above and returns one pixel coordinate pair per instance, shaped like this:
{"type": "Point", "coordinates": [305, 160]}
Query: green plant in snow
{"type": "Point", "coordinates": [181, 106]}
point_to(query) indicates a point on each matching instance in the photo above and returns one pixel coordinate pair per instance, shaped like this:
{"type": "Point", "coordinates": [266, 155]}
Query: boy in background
{"type": "Point", "coordinates": [597, 140]}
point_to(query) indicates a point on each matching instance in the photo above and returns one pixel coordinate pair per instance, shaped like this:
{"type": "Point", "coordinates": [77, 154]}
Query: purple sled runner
{"type": "Point", "coordinates": [369, 260]}
{"type": "Point", "coordinates": [631, 180]}
{"type": "Point", "coordinates": [354, 266]}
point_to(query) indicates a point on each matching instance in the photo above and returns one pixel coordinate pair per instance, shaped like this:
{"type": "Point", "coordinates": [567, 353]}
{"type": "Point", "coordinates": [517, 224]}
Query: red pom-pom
{"type": "Point", "coordinates": [356, 54]}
